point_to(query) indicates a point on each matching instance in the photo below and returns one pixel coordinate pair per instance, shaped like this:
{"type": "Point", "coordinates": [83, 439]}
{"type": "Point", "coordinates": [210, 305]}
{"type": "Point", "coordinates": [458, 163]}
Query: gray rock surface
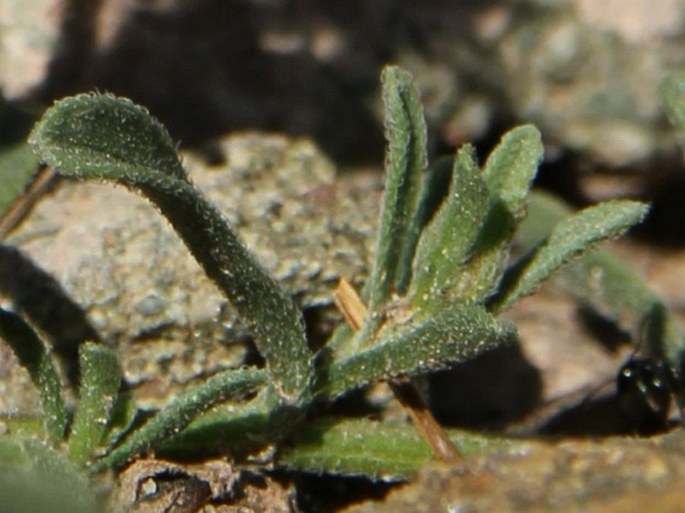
{"type": "Point", "coordinates": [609, 476]}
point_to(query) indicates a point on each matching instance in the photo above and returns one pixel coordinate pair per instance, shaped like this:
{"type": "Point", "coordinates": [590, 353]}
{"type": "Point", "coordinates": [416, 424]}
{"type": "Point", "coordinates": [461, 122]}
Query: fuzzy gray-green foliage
{"type": "Point", "coordinates": [100, 382]}
{"type": "Point", "coordinates": [567, 239]}
{"type": "Point", "coordinates": [456, 333]}
{"type": "Point", "coordinates": [405, 162]}
{"type": "Point", "coordinates": [449, 241]}
{"type": "Point", "coordinates": [442, 271]}
{"type": "Point", "coordinates": [182, 410]}
{"type": "Point", "coordinates": [608, 284]}
{"type": "Point", "coordinates": [381, 451]}
{"type": "Point", "coordinates": [103, 137]}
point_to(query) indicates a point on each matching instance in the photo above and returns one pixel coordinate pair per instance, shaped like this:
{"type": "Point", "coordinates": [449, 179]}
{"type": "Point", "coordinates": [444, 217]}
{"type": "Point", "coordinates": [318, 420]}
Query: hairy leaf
{"type": "Point", "coordinates": [405, 130]}
{"type": "Point", "coordinates": [231, 384]}
{"type": "Point", "coordinates": [456, 333]}
{"type": "Point", "coordinates": [104, 137]}
{"type": "Point", "coordinates": [609, 285]}
{"type": "Point", "coordinates": [121, 421]}
{"type": "Point", "coordinates": [236, 429]}
{"type": "Point", "coordinates": [449, 240]}
{"type": "Point", "coordinates": [508, 173]}
{"type": "Point", "coordinates": [372, 449]}
{"type": "Point", "coordinates": [569, 238]}
{"type": "Point", "coordinates": [17, 165]}
{"type": "Point", "coordinates": [100, 382]}
{"type": "Point", "coordinates": [511, 167]}
{"type": "Point", "coordinates": [34, 356]}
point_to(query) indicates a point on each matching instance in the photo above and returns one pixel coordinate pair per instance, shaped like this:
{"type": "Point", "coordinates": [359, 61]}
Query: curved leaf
{"type": "Point", "coordinates": [231, 384]}
{"type": "Point", "coordinates": [34, 356]}
{"type": "Point", "coordinates": [104, 137]}
{"type": "Point", "coordinates": [362, 447]}
{"type": "Point", "coordinates": [570, 237]}
{"type": "Point", "coordinates": [512, 165]}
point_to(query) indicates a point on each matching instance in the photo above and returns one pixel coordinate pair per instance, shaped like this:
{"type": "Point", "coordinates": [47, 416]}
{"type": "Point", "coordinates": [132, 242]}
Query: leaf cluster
{"type": "Point", "coordinates": [443, 272]}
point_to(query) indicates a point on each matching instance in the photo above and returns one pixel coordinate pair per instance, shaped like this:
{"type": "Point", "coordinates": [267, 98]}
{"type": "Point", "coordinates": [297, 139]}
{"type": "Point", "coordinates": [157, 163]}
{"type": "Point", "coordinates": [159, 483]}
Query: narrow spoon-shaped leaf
{"type": "Point", "coordinates": [569, 238]}
{"type": "Point", "coordinates": [609, 285]}
{"type": "Point", "coordinates": [512, 165]}
{"type": "Point", "coordinates": [231, 384]}
{"type": "Point", "coordinates": [406, 160]}
{"type": "Point", "coordinates": [104, 137]}
{"type": "Point", "coordinates": [100, 382]}
{"type": "Point", "coordinates": [374, 450]}
{"type": "Point", "coordinates": [450, 238]}
{"type": "Point", "coordinates": [455, 333]}
{"type": "Point", "coordinates": [34, 356]}
{"type": "Point", "coordinates": [508, 173]}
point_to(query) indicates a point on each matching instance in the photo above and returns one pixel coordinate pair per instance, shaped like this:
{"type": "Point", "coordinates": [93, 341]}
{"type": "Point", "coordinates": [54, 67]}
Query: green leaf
{"type": "Point", "coordinates": [36, 478]}
{"type": "Point", "coordinates": [122, 419]}
{"type": "Point", "coordinates": [455, 333]}
{"type": "Point", "coordinates": [434, 190]}
{"type": "Point", "coordinates": [362, 447]}
{"type": "Point", "coordinates": [106, 137]}
{"type": "Point", "coordinates": [608, 284]}
{"type": "Point", "coordinates": [449, 240]}
{"type": "Point", "coordinates": [34, 356]}
{"type": "Point", "coordinates": [569, 238]}
{"type": "Point", "coordinates": [615, 290]}
{"type": "Point", "coordinates": [231, 384]}
{"type": "Point", "coordinates": [18, 164]}
{"type": "Point", "coordinates": [21, 425]}
{"type": "Point", "coordinates": [545, 211]}
{"type": "Point", "coordinates": [508, 173]}
{"type": "Point", "coordinates": [406, 160]}
{"type": "Point", "coordinates": [103, 137]}
{"type": "Point", "coordinates": [100, 382]}
{"type": "Point", "coordinates": [511, 167]}
{"type": "Point", "coordinates": [12, 453]}
{"type": "Point", "coordinates": [235, 429]}
{"type": "Point", "coordinates": [673, 94]}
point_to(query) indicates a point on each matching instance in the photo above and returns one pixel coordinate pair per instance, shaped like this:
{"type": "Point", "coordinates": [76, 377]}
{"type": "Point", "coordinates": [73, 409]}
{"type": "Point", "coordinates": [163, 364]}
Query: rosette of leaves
{"type": "Point", "coordinates": [441, 275]}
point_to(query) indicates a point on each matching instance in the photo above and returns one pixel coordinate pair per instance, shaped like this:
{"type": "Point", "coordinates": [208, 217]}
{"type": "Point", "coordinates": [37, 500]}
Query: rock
{"type": "Point", "coordinates": [157, 486]}
{"type": "Point", "coordinates": [30, 29]}
{"type": "Point", "coordinates": [610, 476]}
{"type": "Point", "coordinates": [586, 73]}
